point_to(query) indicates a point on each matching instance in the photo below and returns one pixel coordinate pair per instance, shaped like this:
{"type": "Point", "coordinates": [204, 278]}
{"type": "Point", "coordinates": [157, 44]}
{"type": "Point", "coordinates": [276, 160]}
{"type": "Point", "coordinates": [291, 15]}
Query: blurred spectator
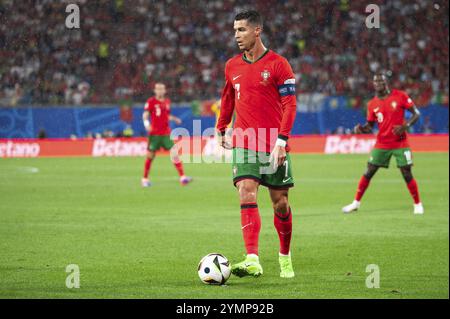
{"type": "Point", "coordinates": [128, 131]}
{"type": "Point", "coordinates": [427, 127]}
{"type": "Point", "coordinates": [123, 47]}
{"type": "Point", "coordinates": [42, 134]}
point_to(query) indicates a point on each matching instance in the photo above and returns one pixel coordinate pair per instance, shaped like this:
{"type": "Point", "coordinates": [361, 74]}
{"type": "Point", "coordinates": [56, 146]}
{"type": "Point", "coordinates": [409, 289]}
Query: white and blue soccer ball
{"type": "Point", "coordinates": [214, 269]}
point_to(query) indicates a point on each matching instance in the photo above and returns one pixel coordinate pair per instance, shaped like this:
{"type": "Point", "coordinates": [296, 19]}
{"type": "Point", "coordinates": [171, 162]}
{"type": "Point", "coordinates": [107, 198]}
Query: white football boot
{"type": "Point", "coordinates": [418, 209]}
{"type": "Point", "coordinates": [352, 207]}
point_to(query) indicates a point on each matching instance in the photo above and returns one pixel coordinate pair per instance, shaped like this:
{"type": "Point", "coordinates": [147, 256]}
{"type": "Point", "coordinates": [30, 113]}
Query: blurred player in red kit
{"type": "Point", "coordinates": [156, 119]}
{"type": "Point", "coordinates": [387, 108]}
{"type": "Point", "coordinates": [260, 90]}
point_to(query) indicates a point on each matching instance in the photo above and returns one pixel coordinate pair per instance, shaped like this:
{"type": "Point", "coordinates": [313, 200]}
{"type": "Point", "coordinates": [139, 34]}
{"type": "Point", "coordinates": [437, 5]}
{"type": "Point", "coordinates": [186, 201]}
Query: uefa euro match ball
{"type": "Point", "coordinates": [214, 269]}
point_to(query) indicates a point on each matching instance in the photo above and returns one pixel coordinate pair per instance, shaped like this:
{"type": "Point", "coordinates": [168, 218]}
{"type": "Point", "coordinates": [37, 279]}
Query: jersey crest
{"type": "Point", "coordinates": [265, 75]}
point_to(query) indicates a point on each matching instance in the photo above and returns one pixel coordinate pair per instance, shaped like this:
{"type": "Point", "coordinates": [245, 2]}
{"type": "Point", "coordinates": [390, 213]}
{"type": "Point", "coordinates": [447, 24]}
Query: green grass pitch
{"type": "Point", "coordinates": [131, 242]}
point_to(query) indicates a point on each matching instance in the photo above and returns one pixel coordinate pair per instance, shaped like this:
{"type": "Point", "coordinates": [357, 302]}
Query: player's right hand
{"type": "Point", "coordinates": [358, 129]}
{"type": "Point", "coordinates": [224, 142]}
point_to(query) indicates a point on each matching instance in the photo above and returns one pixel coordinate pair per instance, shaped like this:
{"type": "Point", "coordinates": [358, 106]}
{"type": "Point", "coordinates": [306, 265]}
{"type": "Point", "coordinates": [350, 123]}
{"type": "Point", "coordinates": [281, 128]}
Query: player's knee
{"type": "Point", "coordinates": [281, 205]}
{"type": "Point", "coordinates": [407, 174]}
{"type": "Point", "coordinates": [247, 193]}
{"type": "Point", "coordinates": [150, 155]}
{"type": "Point", "coordinates": [370, 172]}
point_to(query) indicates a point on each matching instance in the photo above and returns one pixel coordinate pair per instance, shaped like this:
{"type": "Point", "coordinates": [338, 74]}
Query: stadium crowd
{"type": "Point", "coordinates": [123, 47]}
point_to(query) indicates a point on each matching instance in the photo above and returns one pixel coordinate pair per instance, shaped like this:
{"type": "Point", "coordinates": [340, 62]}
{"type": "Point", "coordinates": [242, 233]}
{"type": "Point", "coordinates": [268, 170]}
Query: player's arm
{"type": "Point", "coordinates": [370, 124]}
{"type": "Point", "coordinates": [400, 129]}
{"type": "Point", "coordinates": [146, 120]}
{"type": "Point", "coordinates": [286, 89]}
{"type": "Point", "coordinates": [174, 118]}
{"type": "Point", "coordinates": [406, 102]}
{"type": "Point", "coordinates": [226, 111]}
{"type": "Point", "coordinates": [364, 129]}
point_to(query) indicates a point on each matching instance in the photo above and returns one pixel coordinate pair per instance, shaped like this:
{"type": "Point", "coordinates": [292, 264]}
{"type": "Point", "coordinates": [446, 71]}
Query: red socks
{"type": "Point", "coordinates": [414, 191]}
{"type": "Point", "coordinates": [179, 167]}
{"type": "Point", "coordinates": [251, 225]}
{"type": "Point", "coordinates": [148, 164]}
{"type": "Point", "coordinates": [362, 186]}
{"type": "Point", "coordinates": [283, 225]}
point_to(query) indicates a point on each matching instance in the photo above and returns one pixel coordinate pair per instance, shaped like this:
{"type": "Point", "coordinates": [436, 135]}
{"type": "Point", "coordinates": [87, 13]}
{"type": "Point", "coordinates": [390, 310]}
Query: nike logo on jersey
{"type": "Point", "coordinates": [286, 179]}
{"type": "Point", "coordinates": [237, 77]}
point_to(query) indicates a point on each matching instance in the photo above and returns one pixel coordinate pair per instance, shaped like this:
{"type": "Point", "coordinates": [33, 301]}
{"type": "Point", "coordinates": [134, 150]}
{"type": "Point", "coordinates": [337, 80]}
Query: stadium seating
{"type": "Point", "coordinates": [122, 47]}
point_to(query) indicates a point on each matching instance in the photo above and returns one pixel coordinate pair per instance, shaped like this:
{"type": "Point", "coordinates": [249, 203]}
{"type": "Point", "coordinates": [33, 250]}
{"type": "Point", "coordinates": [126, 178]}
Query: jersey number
{"type": "Point", "coordinates": [408, 157]}
{"type": "Point", "coordinates": [237, 87]}
{"type": "Point", "coordinates": [286, 164]}
{"type": "Point", "coordinates": [158, 111]}
{"type": "Point", "coordinates": [380, 117]}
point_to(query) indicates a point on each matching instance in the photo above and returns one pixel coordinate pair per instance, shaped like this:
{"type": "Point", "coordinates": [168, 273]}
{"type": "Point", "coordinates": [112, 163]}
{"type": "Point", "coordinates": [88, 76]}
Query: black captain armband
{"type": "Point", "coordinates": [287, 88]}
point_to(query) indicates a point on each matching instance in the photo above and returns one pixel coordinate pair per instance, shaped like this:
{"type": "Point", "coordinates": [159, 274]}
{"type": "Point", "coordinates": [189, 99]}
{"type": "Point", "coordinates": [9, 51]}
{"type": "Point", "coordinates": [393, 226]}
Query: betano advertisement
{"type": "Point", "coordinates": [317, 144]}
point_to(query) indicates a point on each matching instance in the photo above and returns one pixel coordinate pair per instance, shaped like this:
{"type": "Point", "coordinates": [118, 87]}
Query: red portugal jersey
{"type": "Point", "coordinates": [389, 112]}
{"type": "Point", "coordinates": [262, 94]}
{"type": "Point", "coordinates": [159, 115]}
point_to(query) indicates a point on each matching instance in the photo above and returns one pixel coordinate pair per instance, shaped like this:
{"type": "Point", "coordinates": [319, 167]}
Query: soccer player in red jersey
{"type": "Point", "coordinates": [156, 119]}
{"type": "Point", "coordinates": [388, 109]}
{"type": "Point", "coordinates": [260, 89]}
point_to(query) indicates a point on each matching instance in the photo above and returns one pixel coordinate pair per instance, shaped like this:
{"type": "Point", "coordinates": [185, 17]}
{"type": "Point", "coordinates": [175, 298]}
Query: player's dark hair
{"type": "Point", "coordinates": [253, 17]}
{"type": "Point", "coordinates": [381, 74]}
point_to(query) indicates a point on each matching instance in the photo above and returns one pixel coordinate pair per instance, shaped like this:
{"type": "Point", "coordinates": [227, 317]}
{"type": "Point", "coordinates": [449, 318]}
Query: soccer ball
{"type": "Point", "coordinates": [214, 269]}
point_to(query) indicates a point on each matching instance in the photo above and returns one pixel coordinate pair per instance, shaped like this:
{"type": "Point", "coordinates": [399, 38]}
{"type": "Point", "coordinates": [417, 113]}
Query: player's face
{"type": "Point", "coordinates": [245, 34]}
{"type": "Point", "coordinates": [379, 83]}
{"type": "Point", "coordinates": [160, 90]}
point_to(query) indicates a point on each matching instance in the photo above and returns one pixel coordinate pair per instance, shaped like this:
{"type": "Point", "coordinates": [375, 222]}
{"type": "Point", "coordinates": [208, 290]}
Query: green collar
{"type": "Point", "coordinates": [250, 62]}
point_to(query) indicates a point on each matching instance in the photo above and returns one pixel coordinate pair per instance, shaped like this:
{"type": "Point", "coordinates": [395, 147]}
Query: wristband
{"type": "Point", "coordinates": [280, 142]}
{"type": "Point", "coordinates": [146, 123]}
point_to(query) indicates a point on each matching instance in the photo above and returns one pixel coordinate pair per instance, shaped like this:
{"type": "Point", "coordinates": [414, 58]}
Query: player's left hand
{"type": "Point", "coordinates": [399, 129]}
{"type": "Point", "coordinates": [278, 156]}
{"type": "Point", "coordinates": [177, 120]}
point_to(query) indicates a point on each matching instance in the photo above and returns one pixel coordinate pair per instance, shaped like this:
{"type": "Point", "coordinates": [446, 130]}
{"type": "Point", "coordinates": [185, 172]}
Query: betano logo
{"type": "Point", "coordinates": [104, 147]}
{"type": "Point", "coordinates": [348, 145]}
{"type": "Point", "coordinates": [19, 149]}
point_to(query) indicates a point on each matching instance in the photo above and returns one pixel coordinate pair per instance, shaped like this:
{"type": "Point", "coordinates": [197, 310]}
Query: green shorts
{"type": "Point", "coordinates": [381, 157]}
{"type": "Point", "coordinates": [248, 164]}
{"type": "Point", "coordinates": [155, 142]}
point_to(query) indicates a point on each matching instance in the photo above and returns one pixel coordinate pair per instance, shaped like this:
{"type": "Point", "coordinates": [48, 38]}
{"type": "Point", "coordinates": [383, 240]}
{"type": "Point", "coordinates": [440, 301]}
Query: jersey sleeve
{"type": "Point", "coordinates": [169, 106]}
{"type": "Point", "coordinates": [226, 105]}
{"type": "Point", "coordinates": [148, 106]}
{"type": "Point", "coordinates": [286, 89]}
{"type": "Point", "coordinates": [406, 101]}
